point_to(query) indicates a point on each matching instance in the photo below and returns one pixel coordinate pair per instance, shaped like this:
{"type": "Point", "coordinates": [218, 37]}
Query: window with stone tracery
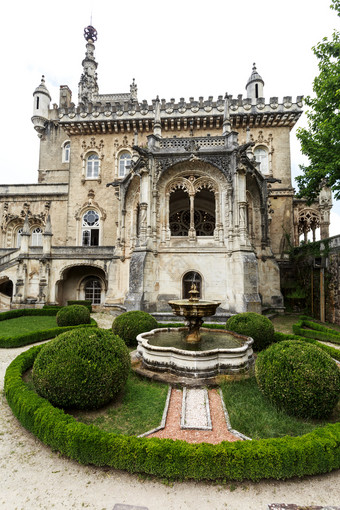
{"type": "Point", "coordinates": [93, 290]}
{"type": "Point", "coordinates": [199, 219]}
{"type": "Point", "coordinates": [90, 229]}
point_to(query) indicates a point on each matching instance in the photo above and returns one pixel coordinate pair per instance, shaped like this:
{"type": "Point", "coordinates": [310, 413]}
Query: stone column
{"type": "Point", "coordinates": [192, 231]}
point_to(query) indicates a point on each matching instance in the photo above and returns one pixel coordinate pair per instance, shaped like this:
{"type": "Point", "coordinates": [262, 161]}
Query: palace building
{"type": "Point", "coordinates": [137, 200]}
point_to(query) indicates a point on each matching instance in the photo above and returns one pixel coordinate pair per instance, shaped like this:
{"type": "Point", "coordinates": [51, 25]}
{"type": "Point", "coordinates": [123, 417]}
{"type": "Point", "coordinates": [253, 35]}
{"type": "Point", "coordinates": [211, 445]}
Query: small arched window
{"type": "Point", "coordinates": [66, 152]}
{"type": "Point", "coordinates": [19, 232]}
{"type": "Point", "coordinates": [189, 279]}
{"type": "Point", "coordinates": [92, 166]}
{"type": "Point", "coordinates": [124, 164]}
{"type": "Point", "coordinates": [90, 229]}
{"type": "Point", "coordinates": [36, 237]}
{"type": "Point", "coordinates": [261, 156]}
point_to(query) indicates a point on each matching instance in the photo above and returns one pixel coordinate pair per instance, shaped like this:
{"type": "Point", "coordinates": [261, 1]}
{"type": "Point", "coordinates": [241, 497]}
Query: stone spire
{"type": "Point", "coordinates": [255, 84]}
{"type": "Point", "coordinates": [157, 131]}
{"type": "Point", "coordinates": [88, 86]}
{"type": "Point", "coordinates": [226, 116]}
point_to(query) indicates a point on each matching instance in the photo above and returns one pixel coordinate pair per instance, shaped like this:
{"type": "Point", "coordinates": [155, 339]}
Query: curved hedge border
{"type": "Point", "coordinates": [332, 351]}
{"type": "Point", "coordinates": [316, 331]}
{"type": "Point", "coordinates": [315, 453]}
{"type": "Point", "coordinates": [36, 336]}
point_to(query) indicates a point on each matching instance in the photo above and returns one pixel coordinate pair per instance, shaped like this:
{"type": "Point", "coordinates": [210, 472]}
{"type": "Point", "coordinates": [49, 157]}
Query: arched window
{"type": "Point", "coordinates": [189, 279]}
{"type": "Point", "coordinates": [93, 290]}
{"type": "Point", "coordinates": [19, 232]}
{"type": "Point", "coordinates": [36, 237]}
{"type": "Point", "coordinates": [261, 156]}
{"type": "Point", "coordinates": [90, 229]}
{"type": "Point", "coordinates": [203, 220]}
{"type": "Point", "coordinates": [124, 164]}
{"type": "Point", "coordinates": [66, 152]}
{"type": "Point", "coordinates": [92, 167]}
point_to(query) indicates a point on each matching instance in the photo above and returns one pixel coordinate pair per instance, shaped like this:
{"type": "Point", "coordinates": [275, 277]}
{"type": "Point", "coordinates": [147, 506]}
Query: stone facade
{"type": "Point", "coordinates": [135, 199]}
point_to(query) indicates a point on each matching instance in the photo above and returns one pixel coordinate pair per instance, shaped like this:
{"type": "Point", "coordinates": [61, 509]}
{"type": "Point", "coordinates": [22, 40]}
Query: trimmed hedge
{"type": "Point", "coordinates": [299, 378]}
{"type": "Point", "coordinates": [334, 353]}
{"type": "Point", "coordinates": [316, 331]}
{"type": "Point", "coordinates": [252, 324]}
{"type": "Point", "coordinates": [83, 368]}
{"type": "Point", "coordinates": [38, 336]}
{"type": "Point", "coordinates": [130, 324]}
{"type": "Point", "coordinates": [280, 458]}
{"type": "Point", "coordinates": [83, 302]}
{"type": "Point", "coordinates": [13, 314]}
{"type": "Point", "coordinates": [73, 315]}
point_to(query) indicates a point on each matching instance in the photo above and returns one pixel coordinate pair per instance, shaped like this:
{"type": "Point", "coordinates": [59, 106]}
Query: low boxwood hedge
{"type": "Point", "coordinates": [83, 302]}
{"type": "Point", "coordinates": [316, 331]}
{"type": "Point", "coordinates": [12, 314]}
{"type": "Point", "coordinates": [314, 453]}
{"type": "Point", "coordinates": [332, 351]}
{"type": "Point", "coordinates": [38, 336]}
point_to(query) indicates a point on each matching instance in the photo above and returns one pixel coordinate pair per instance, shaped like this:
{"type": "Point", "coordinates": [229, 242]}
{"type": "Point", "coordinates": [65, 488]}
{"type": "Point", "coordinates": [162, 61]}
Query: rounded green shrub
{"type": "Point", "coordinates": [73, 316]}
{"type": "Point", "coordinates": [84, 368]}
{"type": "Point", "coordinates": [299, 378]}
{"type": "Point", "coordinates": [130, 324]}
{"type": "Point", "coordinates": [259, 327]}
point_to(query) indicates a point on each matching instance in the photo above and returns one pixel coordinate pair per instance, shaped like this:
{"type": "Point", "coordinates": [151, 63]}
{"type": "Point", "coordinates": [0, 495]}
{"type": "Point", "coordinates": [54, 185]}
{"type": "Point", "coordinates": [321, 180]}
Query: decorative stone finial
{"type": "Point", "coordinates": [90, 33]}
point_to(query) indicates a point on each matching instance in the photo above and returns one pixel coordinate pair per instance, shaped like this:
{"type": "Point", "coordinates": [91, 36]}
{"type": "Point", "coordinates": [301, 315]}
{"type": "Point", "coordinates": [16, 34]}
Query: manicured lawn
{"type": "Point", "coordinates": [139, 408]}
{"type": "Point", "coordinates": [253, 415]}
{"type": "Point", "coordinates": [22, 325]}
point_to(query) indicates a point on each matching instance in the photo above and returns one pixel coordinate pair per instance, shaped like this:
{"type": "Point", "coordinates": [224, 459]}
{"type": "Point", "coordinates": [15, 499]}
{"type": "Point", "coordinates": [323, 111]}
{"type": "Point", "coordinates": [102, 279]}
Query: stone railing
{"type": "Point", "coordinates": [186, 143]}
{"type": "Point", "coordinates": [83, 251]}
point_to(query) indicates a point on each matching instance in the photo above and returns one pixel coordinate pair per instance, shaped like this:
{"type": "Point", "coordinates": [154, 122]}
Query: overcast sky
{"type": "Point", "coordinates": [173, 49]}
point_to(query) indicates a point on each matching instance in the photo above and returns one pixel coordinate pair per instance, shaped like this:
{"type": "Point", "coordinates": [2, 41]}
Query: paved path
{"type": "Point", "coordinates": [197, 430]}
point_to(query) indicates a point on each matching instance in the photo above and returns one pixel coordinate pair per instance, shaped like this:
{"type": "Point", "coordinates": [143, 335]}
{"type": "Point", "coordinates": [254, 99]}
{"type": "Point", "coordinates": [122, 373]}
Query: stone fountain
{"type": "Point", "coordinates": [194, 351]}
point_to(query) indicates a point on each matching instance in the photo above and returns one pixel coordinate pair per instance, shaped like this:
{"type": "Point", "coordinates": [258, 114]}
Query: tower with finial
{"type": "Point", "coordinates": [255, 84]}
{"type": "Point", "coordinates": [88, 86]}
{"type": "Point", "coordinates": [41, 104]}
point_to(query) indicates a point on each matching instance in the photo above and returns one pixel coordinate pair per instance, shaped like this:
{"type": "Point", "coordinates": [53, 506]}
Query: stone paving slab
{"type": "Point", "coordinates": [118, 506]}
{"type": "Point", "coordinates": [284, 506]}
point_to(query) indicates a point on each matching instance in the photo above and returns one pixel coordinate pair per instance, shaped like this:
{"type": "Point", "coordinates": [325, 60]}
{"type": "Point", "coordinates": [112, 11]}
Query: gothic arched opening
{"type": "Point", "coordinates": [179, 216]}
{"type": "Point", "coordinates": [190, 278]}
{"type": "Point", "coordinates": [204, 216]}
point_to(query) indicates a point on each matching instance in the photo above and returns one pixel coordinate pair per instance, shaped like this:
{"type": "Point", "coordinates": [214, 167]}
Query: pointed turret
{"type": "Point", "coordinates": [41, 104]}
{"type": "Point", "coordinates": [88, 86]}
{"type": "Point", "coordinates": [255, 85]}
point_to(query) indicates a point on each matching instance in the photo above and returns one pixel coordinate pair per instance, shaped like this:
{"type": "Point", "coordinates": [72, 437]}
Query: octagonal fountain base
{"type": "Point", "coordinates": [223, 353]}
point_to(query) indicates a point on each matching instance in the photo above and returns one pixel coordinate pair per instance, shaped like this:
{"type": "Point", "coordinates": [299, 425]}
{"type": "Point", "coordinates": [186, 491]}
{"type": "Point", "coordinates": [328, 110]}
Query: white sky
{"type": "Point", "coordinates": [174, 49]}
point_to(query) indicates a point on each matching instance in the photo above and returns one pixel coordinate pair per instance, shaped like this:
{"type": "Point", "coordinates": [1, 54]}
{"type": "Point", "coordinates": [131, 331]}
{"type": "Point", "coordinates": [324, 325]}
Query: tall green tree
{"type": "Point", "coordinates": [321, 140]}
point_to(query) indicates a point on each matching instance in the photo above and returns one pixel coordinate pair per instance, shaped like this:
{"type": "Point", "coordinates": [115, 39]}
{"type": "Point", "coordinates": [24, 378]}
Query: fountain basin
{"type": "Point", "coordinates": [190, 362]}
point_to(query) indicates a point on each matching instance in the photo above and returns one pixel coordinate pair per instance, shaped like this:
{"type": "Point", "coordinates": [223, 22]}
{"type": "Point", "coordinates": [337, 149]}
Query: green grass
{"type": "Point", "coordinates": [138, 409]}
{"type": "Point", "coordinates": [253, 415]}
{"type": "Point", "coordinates": [26, 324]}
